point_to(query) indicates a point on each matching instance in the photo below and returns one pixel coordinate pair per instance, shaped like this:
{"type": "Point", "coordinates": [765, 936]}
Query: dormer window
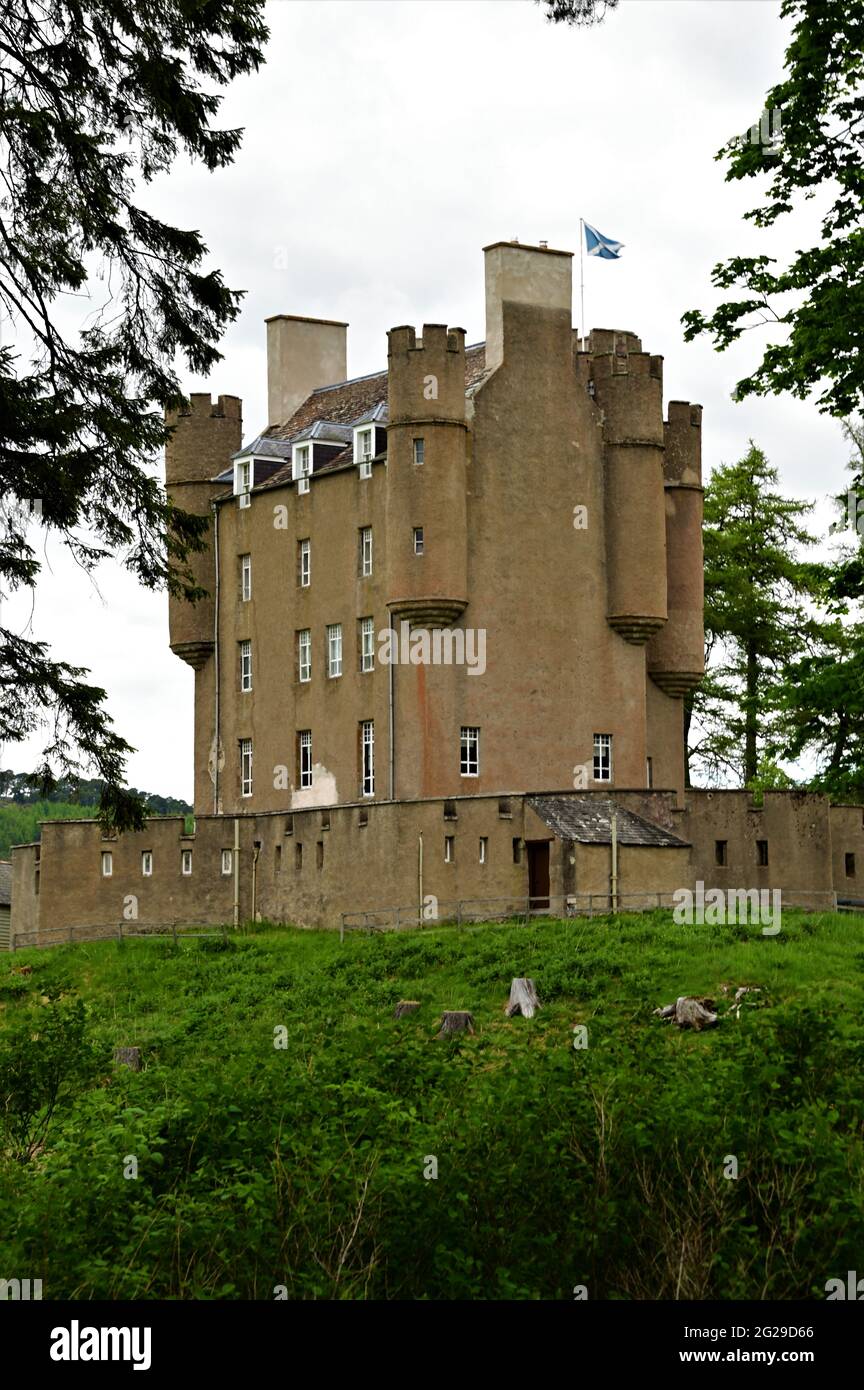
{"type": "Point", "coordinates": [364, 448]}
{"type": "Point", "coordinates": [243, 480]}
{"type": "Point", "coordinates": [302, 466]}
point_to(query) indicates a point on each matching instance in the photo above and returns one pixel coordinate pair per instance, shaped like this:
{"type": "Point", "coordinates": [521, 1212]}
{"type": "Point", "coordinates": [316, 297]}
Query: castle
{"type": "Point", "coordinates": [452, 612]}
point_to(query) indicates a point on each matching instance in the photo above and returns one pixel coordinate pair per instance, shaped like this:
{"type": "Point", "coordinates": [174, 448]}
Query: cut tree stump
{"type": "Point", "coordinates": [406, 1006]}
{"type": "Point", "coordinates": [456, 1021]}
{"type": "Point", "coordinates": [128, 1057]}
{"type": "Point", "coordinates": [523, 998]}
{"type": "Point", "coordinates": [689, 1012]}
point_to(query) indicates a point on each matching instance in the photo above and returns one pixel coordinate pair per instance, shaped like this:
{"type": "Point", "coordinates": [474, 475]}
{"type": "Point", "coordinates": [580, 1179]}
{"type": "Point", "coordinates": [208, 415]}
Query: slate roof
{"type": "Point", "coordinates": [5, 883]}
{"type": "Point", "coordinates": [587, 820]}
{"type": "Point", "coordinates": [264, 448]}
{"type": "Point", "coordinates": [350, 403]}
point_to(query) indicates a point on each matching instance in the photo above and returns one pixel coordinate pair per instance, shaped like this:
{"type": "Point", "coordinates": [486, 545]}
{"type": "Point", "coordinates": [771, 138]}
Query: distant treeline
{"type": "Point", "coordinates": [24, 803]}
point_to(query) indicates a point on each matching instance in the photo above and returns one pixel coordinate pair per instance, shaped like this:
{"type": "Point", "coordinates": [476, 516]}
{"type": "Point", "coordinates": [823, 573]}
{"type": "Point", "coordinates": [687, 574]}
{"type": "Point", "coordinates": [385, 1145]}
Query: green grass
{"type": "Point", "coordinates": [301, 1168]}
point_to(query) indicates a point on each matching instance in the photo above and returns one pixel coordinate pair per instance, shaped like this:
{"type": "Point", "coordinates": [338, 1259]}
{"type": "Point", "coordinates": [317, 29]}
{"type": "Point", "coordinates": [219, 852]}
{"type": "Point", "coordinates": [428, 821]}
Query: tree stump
{"type": "Point", "coordinates": [128, 1057]}
{"type": "Point", "coordinates": [523, 999]}
{"type": "Point", "coordinates": [406, 1006]}
{"type": "Point", "coordinates": [689, 1012]}
{"type": "Point", "coordinates": [456, 1021]}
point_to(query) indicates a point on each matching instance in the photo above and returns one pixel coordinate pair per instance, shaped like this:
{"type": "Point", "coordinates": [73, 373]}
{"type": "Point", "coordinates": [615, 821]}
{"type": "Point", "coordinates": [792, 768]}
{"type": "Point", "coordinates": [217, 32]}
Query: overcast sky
{"type": "Point", "coordinates": [386, 142]}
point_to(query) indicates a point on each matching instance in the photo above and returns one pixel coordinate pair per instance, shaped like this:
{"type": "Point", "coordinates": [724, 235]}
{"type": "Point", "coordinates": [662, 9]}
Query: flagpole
{"type": "Point", "coordinates": [582, 282]}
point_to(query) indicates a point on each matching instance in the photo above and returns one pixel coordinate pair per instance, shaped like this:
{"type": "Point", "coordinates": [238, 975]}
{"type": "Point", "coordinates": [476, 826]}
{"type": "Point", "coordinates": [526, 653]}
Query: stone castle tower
{"type": "Point", "coordinates": [526, 491]}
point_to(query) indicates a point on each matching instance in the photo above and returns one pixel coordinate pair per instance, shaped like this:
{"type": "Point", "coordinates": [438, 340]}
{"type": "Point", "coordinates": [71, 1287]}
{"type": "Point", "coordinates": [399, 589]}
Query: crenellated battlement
{"type": "Point", "coordinates": [426, 374]}
{"type": "Point", "coordinates": [201, 404]}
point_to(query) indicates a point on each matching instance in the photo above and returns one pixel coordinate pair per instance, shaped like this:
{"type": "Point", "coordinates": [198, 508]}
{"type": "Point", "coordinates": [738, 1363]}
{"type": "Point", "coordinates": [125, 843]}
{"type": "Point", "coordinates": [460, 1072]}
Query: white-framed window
{"type": "Point", "coordinates": [107, 863]}
{"type": "Point", "coordinates": [418, 540]}
{"type": "Point", "coordinates": [367, 755]}
{"type": "Point", "coordinates": [301, 465]}
{"type": "Point", "coordinates": [602, 757]}
{"type": "Point", "coordinates": [367, 644]}
{"type": "Point", "coordinates": [649, 772]}
{"type": "Point", "coordinates": [242, 476]}
{"type": "Point", "coordinates": [304, 757]}
{"type": "Point", "coordinates": [419, 451]}
{"type": "Point", "coordinates": [365, 551]}
{"type": "Point", "coordinates": [245, 578]}
{"type": "Point", "coordinates": [364, 449]}
{"type": "Point", "coordinates": [448, 849]}
{"type": "Point", "coordinates": [484, 844]}
{"type": "Point", "coordinates": [469, 752]}
{"type": "Point", "coordinates": [334, 649]}
{"type": "Point", "coordinates": [245, 767]}
{"type": "Point", "coordinates": [186, 862]}
{"type": "Point", "coordinates": [304, 655]}
{"type": "Point", "coordinates": [245, 665]}
{"type": "Point", "coordinates": [147, 863]}
{"type": "Point", "coordinates": [304, 563]}
{"type": "Point", "coordinates": [227, 861]}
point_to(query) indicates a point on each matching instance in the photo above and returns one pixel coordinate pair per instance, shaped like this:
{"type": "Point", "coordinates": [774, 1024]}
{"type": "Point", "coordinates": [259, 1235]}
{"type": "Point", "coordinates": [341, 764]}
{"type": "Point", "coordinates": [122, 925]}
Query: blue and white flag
{"type": "Point", "coordinates": [603, 246]}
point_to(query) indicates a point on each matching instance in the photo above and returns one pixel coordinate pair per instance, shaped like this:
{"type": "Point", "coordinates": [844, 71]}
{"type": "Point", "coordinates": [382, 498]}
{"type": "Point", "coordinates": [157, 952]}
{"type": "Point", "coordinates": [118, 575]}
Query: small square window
{"type": "Point", "coordinates": [504, 810]}
{"type": "Point", "coordinates": [186, 862]}
{"type": "Point", "coordinates": [147, 863]}
{"type": "Point", "coordinates": [762, 852]}
{"type": "Point", "coordinates": [720, 848]}
{"type": "Point", "coordinates": [418, 540]}
{"type": "Point", "coordinates": [450, 810]}
{"type": "Point", "coordinates": [227, 861]}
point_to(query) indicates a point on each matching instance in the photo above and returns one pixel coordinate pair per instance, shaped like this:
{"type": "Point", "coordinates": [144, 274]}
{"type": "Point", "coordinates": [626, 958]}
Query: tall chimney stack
{"type": "Point", "coordinates": [521, 274]}
{"type": "Point", "coordinates": [302, 354]}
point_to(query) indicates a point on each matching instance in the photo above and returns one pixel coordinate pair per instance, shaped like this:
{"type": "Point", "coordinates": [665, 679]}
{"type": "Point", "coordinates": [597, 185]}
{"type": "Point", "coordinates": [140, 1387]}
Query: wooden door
{"type": "Point", "coordinates": [538, 874]}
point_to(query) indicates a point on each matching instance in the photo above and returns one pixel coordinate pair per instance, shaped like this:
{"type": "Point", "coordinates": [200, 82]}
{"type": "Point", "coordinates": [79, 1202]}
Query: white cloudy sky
{"type": "Point", "coordinates": [386, 142]}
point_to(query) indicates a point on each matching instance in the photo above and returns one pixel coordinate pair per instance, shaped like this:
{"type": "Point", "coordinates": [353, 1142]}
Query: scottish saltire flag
{"type": "Point", "coordinates": [603, 246]}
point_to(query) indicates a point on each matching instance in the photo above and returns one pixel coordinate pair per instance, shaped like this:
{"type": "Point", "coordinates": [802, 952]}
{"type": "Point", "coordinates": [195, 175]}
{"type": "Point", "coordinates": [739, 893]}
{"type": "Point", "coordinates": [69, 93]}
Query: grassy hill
{"type": "Point", "coordinates": [301, 1168]}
